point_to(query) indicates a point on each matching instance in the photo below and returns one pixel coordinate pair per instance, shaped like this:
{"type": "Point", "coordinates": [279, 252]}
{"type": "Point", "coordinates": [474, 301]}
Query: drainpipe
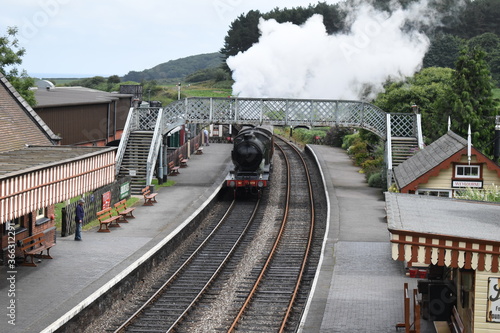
{"type": "Point", "coordinates": [496, 150]}
{"type": "Point", "coordinates": [160, 165]}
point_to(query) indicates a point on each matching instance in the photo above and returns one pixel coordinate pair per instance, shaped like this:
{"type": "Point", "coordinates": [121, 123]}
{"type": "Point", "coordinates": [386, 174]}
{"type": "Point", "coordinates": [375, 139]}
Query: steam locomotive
{"type": "Point", "coordinates": [251, 155]}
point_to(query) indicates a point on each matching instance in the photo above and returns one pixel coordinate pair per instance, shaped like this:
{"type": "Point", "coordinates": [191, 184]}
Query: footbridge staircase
{"type": "Point", "coordinates": [141, 145]}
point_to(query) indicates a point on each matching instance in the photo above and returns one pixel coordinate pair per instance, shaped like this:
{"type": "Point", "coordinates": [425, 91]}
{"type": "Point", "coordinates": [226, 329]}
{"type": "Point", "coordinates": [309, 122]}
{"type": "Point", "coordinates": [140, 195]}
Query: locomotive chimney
{"type": "Point", "coordinates": [496, 151]}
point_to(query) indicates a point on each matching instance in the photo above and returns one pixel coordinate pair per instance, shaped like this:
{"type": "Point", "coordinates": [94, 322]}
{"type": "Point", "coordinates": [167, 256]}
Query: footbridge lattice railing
{"type": "Point", "coordinates": [270, 111]}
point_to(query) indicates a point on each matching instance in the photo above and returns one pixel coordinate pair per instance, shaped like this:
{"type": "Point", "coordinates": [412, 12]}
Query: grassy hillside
{"type": "Point", "coordinates": [176, 69]}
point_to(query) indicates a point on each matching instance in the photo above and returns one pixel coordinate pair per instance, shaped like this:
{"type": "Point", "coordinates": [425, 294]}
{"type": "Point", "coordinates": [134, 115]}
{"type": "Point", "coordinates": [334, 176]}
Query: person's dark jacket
{"type": "Point", "coordinates": [79, 213]}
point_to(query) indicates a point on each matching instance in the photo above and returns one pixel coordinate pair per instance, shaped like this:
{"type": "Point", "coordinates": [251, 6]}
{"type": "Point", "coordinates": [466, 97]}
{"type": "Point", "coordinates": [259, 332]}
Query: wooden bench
{"type": "Point", "coordinates": [124, 211]}
{"type": "Point", "coordinates": [183, 162]}
{"type": "Point", "coordinates": [198, 149]}
{"type": "Point", "coordinates": [173, 169]}
{"type": "Point", "coordinates": [149, 198]}
{"type": "Point", "coordinates": [34, 246]}
{"type": "Point", "coordinates": [455, 325]}
{"type": "Point", "coordinates": [441, 326]}
{"type": "Point", "coordinates": [106, 220]}
{"type": "Point", "coordinates": [456, 322]}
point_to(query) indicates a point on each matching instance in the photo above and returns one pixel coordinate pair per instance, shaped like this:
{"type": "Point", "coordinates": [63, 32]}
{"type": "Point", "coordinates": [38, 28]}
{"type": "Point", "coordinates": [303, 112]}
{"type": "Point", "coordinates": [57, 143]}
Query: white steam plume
{"type": "Point", "coordinates": [291, 61]}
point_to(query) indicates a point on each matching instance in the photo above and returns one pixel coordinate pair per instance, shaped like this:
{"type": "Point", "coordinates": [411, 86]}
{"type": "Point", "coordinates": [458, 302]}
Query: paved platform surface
{"type": "Point", "coordinates": [359, 288]}
{"type": "Point", "coordinates": [79, 269]}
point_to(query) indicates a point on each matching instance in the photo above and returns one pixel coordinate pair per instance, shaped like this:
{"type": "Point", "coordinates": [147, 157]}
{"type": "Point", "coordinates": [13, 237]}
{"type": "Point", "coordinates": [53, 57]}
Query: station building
{"type": "Point", "coordinates": [459, 241]}
{"type": "Point", "coordinates": [83, 116]}
{"type": "Point", "coordinates": [456, 242]}
{"type": "Point", "coordinates": [443, 168]}
{"type": "Point", "coordinates": [36, 172]}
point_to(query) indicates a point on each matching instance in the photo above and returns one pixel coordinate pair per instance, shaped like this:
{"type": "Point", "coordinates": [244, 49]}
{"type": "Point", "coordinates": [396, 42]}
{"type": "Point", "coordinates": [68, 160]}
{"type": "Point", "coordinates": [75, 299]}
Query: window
{"type": "Point", "coordinates": [41, 216]}
{"type": "Point", "coordinates": [467, 171]}
{"type": "Point", "coordinates": [40, 213]}
{"type": "Point", "coordinates": [18, 224]}
{"type": "Point", "coordinates": [435, 193]}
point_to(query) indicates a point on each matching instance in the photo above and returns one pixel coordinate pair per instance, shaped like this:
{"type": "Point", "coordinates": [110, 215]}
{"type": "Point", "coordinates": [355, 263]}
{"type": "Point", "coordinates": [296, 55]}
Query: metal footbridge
{"type": "Point", "coordinates": [267, 111]}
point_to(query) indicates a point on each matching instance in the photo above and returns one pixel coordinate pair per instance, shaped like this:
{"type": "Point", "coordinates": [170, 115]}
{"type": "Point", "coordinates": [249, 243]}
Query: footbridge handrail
{"type": "Point", "coordinates": [283, 112]}
{"type": "Point", "coordinates": [268, 111]}
{"type": "Point", "coordinates": [155, 147]}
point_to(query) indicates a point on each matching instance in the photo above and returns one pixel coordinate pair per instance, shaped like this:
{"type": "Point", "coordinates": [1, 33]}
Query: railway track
{"type": "Point", "coordinates": [253, 267]}
{"type": "Point", "coordinates": [169, 305]}
{"type": "Point", "coordinates": [269, 304]}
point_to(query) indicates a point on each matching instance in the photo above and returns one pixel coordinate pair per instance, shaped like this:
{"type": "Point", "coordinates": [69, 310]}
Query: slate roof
{"type": "Point", "coordinates": [443, 216]}
{"type": "Point", "coordinates": [63, 96]}
{"type": "Point", "coordinates": [428, 158]}
{"type": "Point", "coordinates": [19, 123]}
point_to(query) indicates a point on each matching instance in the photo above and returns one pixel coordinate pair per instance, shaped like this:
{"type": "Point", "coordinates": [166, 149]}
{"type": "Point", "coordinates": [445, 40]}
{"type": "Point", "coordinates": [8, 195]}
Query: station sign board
{"type": "Point", "coordinates": [493, 311]}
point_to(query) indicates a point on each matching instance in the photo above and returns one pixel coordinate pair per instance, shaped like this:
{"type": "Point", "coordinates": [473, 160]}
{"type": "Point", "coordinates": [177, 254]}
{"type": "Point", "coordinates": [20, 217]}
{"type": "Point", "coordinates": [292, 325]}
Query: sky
{"type": "Point", "coordinates": [113, 37]}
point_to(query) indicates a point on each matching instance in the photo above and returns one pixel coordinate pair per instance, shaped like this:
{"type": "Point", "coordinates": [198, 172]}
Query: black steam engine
{"type": "Point", "coordinates": [251, 155]}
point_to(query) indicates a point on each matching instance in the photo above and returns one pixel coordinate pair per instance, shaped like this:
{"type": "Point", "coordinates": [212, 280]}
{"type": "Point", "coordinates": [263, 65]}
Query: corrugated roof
{"type": "Point", "coordinates": [19, 123]}
{"type": "Point", "coordinates": [428, 158]}
{"type": "Point", "coordinates": [443, 216]}
{"type": "Point", "coordinates": [61, 96]}
{"type": "Point", "coordinates": [34, 157]}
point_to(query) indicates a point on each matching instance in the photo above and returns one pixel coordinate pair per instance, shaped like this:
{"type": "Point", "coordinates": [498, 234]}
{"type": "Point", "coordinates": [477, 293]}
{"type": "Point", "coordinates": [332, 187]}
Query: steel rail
{"type": "Point", "coordinates": [216, 273]}
{"type": "Point", "coordinates": [308, 247]}
{"type": "Point", "coordinates": [264, 269]}
{"type": "Point", "coordinates": [165, 285]}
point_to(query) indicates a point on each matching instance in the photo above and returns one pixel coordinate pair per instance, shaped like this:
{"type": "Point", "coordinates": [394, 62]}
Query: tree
{"type": "Point", "coordinates": [473, 103]}
{"type": "Point", "coordinates": [113, 79]}
{"type": "Point", "coordinates": [443, 51]}
{"type": "Point", "coordinates": [490, 43]}
{"type": "Point", "coordinates": [431, 90]}
{"type": "Point", "coordinates": [11, 55]}
{"type": "Point", "coordinates": [244, 31]}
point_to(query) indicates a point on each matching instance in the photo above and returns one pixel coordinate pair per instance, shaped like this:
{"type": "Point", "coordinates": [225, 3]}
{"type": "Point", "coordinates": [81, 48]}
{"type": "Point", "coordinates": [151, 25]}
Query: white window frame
{"type": "Point", "coordinates": [40, 214]}
{"type": "Point", "coordinates": [477, 167]}
{"type": "Point", "coordinates": [425, 191]}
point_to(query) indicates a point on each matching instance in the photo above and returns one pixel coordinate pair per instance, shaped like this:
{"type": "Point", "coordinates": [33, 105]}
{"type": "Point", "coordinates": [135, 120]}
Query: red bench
{"type": "Point", "coordinates": [173, 169]}
{"type": "Point", "coordinates": [106, 220]}
{"type": "Point", "coordinates": [124, 211]}
{"type": "Point", "coordinates": [183, 161]}
{"type": "Point", "coordinates": [149, 197]}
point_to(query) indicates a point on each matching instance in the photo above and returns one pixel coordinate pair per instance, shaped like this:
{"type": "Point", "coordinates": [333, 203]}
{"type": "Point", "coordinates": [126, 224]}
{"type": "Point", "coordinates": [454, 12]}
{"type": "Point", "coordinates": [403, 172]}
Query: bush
{"type": "Point", "coordinates": [307, 136]}
{"type": "Point", "coordinates": [349, 140]}
{"type": "Point", "coordinates": [371, 166]}
{"type": "Point", "coordinates": [376, 180]}
{"type": "Point", "coordinates": [335, 135]}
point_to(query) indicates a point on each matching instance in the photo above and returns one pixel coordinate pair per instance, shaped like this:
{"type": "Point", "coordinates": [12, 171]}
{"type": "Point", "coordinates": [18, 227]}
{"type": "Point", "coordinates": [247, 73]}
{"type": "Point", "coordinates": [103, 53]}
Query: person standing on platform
{"type": "Point", "coordinates": [205, 132]}
{"type": "Point", "coordinates": [79, 219]}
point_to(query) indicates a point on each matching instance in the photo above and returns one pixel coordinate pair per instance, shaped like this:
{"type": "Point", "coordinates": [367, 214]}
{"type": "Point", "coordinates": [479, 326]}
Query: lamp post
{"type": "Point", "coordinates": [179, 91]}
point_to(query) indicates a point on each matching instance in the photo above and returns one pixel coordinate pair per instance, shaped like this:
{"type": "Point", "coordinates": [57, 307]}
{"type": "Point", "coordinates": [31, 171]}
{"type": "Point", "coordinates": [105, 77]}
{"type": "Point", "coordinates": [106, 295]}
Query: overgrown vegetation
{"type": "Point", "coordinates": [367, 152]}
{"type": "Point", "coordinates": [365, 148]}
{"type": "Point", "coordinates": [489, 193]}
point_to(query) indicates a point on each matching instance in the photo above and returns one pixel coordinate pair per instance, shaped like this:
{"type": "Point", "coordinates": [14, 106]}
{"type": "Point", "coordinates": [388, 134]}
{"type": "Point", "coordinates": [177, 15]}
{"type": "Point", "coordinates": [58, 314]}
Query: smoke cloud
{"type": "Point", "coordinates": [291, 61]}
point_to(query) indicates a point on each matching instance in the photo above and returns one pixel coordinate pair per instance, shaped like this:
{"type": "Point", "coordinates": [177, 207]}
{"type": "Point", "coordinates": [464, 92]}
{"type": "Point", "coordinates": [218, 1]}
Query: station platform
{"type": "Point", "coordinates": [52, 292]}
{"type": "Point", "coordinates": [359, 288]}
